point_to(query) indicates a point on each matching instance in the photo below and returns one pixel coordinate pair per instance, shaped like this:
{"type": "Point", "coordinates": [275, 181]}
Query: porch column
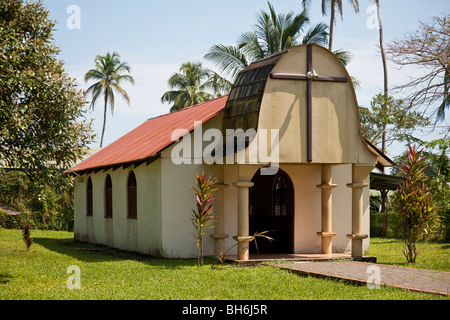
{"type": "Point", "coordinates": [359, 176]}
{"type": "Point", "coordinates": [219, 234]}
{"type": "Point", "coordinates": [243, 237]}
{"type": "Point", "coordinates": [326, 186]}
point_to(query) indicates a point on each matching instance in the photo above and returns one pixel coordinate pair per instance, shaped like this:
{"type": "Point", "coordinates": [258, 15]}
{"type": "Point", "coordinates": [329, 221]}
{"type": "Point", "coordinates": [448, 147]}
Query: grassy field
{"type": "Point", "coordinates": [41, 273]}
{"type": "Point", "coordinates": [432, 256]}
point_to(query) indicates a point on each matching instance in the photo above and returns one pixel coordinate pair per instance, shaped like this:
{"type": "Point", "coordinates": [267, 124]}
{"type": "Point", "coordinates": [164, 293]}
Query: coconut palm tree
{"type": "Point", "coordinates": [334, 6]}
{"type": "Point", "coordinates": [383, 54]}
{"type": "Point", "coordinates": [108, 73]}
{"type": "Point", "coordinates": [273, 33]}
{"type": "Point", "coordinates": [191, 86]}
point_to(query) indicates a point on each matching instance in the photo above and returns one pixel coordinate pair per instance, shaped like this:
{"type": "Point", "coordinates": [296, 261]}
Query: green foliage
{"type": "Point", "coordinates": [204, 215]}
{"type": "Point", "coordinates": [438, 173]}
{"type": "Point", "coordinates": [273, 32]}
{"type": "Point", "coordinates": [108, 73]}
{"type": "Point", "coordinates": [413, 202]}
{"type": "Point", "coordinates": [389, 120]}
{"type": "Point", "coordinates": [42, 111]}
{"type": "Point", "coordinates": [41, 204]}
{"type": "Point", "coordinates": [192, 85]}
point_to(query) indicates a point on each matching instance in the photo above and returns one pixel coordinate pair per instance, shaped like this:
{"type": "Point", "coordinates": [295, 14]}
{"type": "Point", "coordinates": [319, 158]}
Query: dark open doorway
{"type": "Point", "coordinates": [271, 208]}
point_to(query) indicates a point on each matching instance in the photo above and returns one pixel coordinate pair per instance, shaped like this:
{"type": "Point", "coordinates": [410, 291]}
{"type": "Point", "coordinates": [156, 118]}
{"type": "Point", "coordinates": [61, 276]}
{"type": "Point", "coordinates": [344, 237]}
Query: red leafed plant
{"type": "Point", "coordinates": [413, 202]}
{"type": "Point", "coordinates": [204, 215]}
{"type": "Point", "coordinates": [26, 236]}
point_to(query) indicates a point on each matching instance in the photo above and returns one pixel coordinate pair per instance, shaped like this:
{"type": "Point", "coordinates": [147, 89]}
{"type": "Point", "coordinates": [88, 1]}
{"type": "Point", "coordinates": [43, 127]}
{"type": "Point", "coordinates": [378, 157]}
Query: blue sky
{"type": "Point", "coordinates": [156, 37]}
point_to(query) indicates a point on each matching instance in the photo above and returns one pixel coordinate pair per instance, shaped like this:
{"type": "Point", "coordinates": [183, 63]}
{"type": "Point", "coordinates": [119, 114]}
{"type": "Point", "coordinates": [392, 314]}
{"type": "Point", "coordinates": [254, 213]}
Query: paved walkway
{"type": "Point", "coordinates": [401, 277]}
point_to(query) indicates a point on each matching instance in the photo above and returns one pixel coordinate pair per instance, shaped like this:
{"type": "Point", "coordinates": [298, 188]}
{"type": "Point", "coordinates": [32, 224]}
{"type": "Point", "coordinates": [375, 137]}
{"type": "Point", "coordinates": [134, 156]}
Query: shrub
{"type": "Point", "coordinates": [413, 202]}
{"type": "Point", "coordinates": [204, 215]}
{"type": "Point", "coordinates": [42, 204]}
{"type": "Point", "coordinates": [26, 236]}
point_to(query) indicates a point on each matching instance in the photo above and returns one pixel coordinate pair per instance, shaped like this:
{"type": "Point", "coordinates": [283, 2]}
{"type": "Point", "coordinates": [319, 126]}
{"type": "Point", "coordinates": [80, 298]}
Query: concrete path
{"type": "Point", "coordinates": [401, 277]}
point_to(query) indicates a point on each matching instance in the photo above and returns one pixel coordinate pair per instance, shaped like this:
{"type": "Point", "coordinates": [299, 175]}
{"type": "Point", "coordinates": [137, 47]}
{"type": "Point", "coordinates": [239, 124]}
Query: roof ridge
{"type": "Point", "coordinates": [188, 108]}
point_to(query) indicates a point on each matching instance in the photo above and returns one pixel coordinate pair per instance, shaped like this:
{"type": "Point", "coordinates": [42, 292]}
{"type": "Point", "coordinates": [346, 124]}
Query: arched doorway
{"type": "Point", "coordinates": [271, 208]}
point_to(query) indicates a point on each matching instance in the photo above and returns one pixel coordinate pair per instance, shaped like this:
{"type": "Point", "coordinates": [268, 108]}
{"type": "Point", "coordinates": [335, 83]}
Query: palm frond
{"type": "Point", "coordinates": [317, 34]}
{"type": "Point", "coordinates": [344, 56]}
{"type": "Point", "coordinates": [230, 60]}
{"type": "Point", "coordinates": [123, 93]}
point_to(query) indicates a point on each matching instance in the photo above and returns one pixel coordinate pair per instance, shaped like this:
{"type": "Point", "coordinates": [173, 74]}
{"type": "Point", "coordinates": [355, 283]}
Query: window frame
{"type": "Point", "coordinates": [132, 196]}
{"type": "Point", "coordinates": [108, 197]}
{"type": "Point", "coordinates": [89, 198]}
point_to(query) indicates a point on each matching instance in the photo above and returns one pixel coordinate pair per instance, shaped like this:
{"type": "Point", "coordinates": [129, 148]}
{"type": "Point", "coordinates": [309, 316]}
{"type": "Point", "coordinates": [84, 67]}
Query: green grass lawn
{"type": "Point", "coordinates": [432, 256]}
{"type": "Point", "coordinates": [40, 273]}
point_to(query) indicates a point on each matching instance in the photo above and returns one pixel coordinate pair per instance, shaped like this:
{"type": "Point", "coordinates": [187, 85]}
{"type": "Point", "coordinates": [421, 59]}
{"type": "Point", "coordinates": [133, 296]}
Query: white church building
{"type": "Point", "coordinates": [286, 146]}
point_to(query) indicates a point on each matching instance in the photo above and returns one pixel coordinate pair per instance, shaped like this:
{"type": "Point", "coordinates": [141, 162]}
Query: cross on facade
{"type": "Point", "coordinates": [310, 76]}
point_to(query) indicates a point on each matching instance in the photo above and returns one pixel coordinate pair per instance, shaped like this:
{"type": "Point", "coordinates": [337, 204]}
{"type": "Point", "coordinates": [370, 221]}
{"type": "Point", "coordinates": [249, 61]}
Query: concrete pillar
{"type": "Point", "coordinates": [327, 202]}
{"type": "Point", "coordinates": [219, 235]}
{"type": "Point", "coordinates": [243, 238]}
{"type": "Point", "coordinates": [359, 177]}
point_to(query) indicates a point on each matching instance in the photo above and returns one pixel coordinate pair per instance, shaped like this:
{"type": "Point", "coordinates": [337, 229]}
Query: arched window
{"type": "Point", "coordinates": [132, 196]}
{"type": "Point", "coordinates": [89, 203]}
{"type": "Point", "coordinates": [108, 197]}
{"type": "Point", "coordinates": [280, 196]}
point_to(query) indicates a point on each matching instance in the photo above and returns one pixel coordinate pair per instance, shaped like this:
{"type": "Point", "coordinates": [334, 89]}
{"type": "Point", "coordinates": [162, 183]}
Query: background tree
{"type": "Point", "coordinates": [382, 51]}
{"type": "Point", "coordinates": [388, 121]}
{"type": "Point", "coordinates": [428, 48]}
{"type": "Point", "coordinates": [43, 125]}
{"type": "Point", "coordinates": [108, 73]}
{"type": "Point", "coordinates": [193, 85]}
{"type": "Point", "coordinates": [334, 7]}
{"type": "Point", "coordinates": [273, 33]}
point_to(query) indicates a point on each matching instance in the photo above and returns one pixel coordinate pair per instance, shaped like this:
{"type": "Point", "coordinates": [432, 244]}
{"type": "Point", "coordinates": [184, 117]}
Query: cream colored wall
{"type": "Point", "coordinates": [307, 219]}
{"type": "Point", "coordinates": [142, 234]}
{"type": "Point", "coordinates": [178, 200]}
{"type": "Point", "coordinates": [335, 119]}
{"type": "Point", "coordinates": [307, 212]}
{"type": "Point", "coordinates": [342, 209]}
{"type": "Point", "coordinates": [171, 234]}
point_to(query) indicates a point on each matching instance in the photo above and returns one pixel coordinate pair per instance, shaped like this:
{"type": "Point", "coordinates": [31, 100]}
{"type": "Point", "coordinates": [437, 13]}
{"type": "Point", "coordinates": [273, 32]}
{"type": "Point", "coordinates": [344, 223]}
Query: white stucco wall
{"type": "Point", "coordinates": [142, 234]}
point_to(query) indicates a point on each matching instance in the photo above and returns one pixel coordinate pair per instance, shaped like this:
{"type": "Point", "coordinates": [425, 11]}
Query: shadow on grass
{"type": "Point", "coordinates": [5, 278]}
{"type": "Point", "coordinates": [88, 252]}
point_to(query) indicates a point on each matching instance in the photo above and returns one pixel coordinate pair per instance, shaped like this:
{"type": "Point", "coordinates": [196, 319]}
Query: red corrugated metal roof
{"type": "Point", "coordinates": [151, 137]}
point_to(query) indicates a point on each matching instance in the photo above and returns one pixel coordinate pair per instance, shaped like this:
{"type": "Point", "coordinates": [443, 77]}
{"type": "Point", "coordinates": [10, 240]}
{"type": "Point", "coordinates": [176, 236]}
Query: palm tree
{"type": "Point", "coordinates": [273, 33]}
{"type": "Point", "coordinates": [334, 6]}
{"type": "Point", "coordinates": [384, 193]}
{"type": "Point", "coordinates": [191, 86]}
{"type": "Point", "coordinates": [383, 54]}
{"type": "Point", "coordinates": [108, 73]}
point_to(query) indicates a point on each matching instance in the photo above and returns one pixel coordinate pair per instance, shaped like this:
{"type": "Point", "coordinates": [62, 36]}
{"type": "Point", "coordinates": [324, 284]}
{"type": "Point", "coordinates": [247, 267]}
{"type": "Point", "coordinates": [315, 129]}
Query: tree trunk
{"type": "Point", "coordinates": [383, 209]}
{"type": "Point", "coordinates": [333, 14]}
{"type": "Point", "coordinates": [383, 55]}
{"type": "Point", "coordinates": [104, 119]}
{"type": "Point", "coordinates": [384, 195]}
